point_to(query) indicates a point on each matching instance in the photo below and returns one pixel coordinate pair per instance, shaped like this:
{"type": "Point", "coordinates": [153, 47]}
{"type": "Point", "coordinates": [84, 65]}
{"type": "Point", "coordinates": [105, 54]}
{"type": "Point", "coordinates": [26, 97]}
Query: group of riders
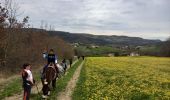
{"type": "Point", "coordinates": [28, 80]}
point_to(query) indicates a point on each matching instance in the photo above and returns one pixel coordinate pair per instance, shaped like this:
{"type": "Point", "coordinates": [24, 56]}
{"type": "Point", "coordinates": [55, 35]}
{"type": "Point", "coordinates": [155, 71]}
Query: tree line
{"type": "Point", "coordinates": [20, 44]}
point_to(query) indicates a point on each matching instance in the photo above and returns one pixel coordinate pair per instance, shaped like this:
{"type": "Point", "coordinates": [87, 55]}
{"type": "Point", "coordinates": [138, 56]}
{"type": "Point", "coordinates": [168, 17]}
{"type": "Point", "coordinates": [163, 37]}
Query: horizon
{"type": "Point", "coordinates": [152, 38]}
{"type": "Point", "coordinates": [104, 35]}
{"type": "Point", "coordinates": [135, 18]}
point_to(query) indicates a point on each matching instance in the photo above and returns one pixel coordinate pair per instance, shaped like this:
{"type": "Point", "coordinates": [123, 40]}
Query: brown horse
{"type": "Point", "coordinates": [50, 75]}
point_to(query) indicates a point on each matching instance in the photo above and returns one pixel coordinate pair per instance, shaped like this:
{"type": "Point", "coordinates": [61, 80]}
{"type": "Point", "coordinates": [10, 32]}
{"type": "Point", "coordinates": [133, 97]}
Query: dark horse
{"type": "Point", "coordinates": [50, 75]}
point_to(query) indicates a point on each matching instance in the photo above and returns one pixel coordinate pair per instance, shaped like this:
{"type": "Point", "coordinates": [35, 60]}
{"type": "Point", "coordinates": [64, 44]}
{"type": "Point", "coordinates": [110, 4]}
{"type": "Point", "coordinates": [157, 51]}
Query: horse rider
{"type": "Point", "coordinates": [71, 61]}
{"type": "Point", "coordinates": [83, 57]}
{"type": "Point", "coordinates": [28, 80]}
{"type": "Point", "coordinates": [64, 63]}
{"type": "Point", "coordinates": [51, 58]}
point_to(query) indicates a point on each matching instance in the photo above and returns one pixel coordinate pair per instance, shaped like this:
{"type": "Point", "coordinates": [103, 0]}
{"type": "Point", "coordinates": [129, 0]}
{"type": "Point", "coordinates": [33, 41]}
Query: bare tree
{"type": "Point", "coordinates": [13, 9]}
{"type": "Point", "coordinates": [3, 16]}
{"type": "Point", "coordinates": [9, 22]}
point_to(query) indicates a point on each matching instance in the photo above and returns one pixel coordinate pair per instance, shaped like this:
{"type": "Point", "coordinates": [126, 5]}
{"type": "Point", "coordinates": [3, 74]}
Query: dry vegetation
{"type": "Point", "coordinates": [26, 45]}
{"type": "Point", "coordinates": [20, 44]}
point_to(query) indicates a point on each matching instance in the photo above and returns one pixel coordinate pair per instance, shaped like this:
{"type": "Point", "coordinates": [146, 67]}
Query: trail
{"type": "Point", "coordinates": [70, 66]}
{"type": "Point", "coordinates": [34, 90]}
{"type": "Point", "coordinates": [66, 94]}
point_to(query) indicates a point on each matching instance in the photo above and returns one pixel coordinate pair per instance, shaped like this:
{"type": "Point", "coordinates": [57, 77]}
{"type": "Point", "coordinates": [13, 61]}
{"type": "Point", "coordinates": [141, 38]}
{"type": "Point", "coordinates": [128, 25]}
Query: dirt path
{"type": "Point", "coordinates": [66, 94]}
{"type": "Point", "coordinates": [33, 91]}
{"type": "Point", "coordinates": [15, 97]}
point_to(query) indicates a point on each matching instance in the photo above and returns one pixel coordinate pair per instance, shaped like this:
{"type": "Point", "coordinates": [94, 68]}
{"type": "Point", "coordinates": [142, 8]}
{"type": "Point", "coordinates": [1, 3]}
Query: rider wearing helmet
{"type": "Point", "coordinates": [51, 58]}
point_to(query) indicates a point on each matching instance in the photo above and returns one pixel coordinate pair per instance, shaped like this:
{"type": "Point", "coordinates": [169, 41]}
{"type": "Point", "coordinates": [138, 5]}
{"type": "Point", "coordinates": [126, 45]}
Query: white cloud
{"type": "Point", "coordinates": [121, 17]}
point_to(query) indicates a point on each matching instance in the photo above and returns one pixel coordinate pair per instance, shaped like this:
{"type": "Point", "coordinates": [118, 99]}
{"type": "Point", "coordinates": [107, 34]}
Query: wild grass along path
{"type": "Point", "coordinates": [66, 94]}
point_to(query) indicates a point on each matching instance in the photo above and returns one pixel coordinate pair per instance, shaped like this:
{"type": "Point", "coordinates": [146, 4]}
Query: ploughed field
{"type": "Point", "coordinates": [124, 78]}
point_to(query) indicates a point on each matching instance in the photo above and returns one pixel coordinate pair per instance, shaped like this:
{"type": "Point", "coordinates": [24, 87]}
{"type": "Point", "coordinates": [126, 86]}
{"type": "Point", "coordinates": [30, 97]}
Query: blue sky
{"type": "Point", "coordinates": [149, 19]}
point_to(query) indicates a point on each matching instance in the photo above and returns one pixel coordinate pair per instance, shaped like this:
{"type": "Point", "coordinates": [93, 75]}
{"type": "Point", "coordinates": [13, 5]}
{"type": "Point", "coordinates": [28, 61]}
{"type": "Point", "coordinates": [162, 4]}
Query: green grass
{"type": "Point", "coordinates": [15, 86]}
{"type": "Point", "coordinates": [99, 51]}
{"type": "Point", "coordinates": [61, 83]}
{"type": "Point", "coordinates": [11, 88]}
{"type": "Point", "coordinates": [78, 92]}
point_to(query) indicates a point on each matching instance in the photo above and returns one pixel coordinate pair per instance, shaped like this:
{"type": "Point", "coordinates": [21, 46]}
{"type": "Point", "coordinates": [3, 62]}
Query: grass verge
{"type": "Point", "coordinates": [78, 92]}
{"type": "Point", "coordinates": [11, 88]}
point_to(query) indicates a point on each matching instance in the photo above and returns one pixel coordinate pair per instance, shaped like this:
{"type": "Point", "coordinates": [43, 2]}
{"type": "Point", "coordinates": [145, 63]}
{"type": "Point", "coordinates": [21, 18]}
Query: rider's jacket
{"type": "Point", "coordinates": [27, 77]}
{"type": "Point", "coordinates": [51, 58]}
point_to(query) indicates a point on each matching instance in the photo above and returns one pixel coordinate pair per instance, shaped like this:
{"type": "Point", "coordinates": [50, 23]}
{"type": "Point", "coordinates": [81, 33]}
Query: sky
{"type": "Point", "coordinates": [148, 19]}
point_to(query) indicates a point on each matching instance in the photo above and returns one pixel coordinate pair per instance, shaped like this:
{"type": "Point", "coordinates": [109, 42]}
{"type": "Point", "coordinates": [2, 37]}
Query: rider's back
{"type": "Point", "coordinates": [51, 58]}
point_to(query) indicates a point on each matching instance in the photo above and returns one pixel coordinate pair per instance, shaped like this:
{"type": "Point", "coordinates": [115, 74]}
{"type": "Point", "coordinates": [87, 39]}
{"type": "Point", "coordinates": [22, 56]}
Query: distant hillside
{"type": "Point", "coordinates": [102, 39]}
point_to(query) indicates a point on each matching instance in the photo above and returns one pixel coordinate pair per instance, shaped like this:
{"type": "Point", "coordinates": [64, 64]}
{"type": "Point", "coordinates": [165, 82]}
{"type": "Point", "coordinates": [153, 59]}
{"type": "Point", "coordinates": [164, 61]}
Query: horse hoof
{"type": "Point", "coordinates": [44, 96]}
{"type": "Point", "coordinates": [48, 93]}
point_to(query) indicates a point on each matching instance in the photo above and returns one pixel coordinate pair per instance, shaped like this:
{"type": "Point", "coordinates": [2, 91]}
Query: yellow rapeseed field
{"type": "Point", "coordinates": [124, 78]}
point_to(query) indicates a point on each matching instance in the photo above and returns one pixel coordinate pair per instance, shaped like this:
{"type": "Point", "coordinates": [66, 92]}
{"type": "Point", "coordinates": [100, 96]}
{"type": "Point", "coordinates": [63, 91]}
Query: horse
{"type": "Point", "coordinates": [50, 75]}
{"type": "Point", "coordinates": [62, 67]}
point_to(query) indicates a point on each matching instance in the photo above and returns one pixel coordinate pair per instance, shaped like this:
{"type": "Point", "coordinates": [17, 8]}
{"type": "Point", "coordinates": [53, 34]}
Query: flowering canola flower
{"type": "Point", "coordinates": [125, 78]}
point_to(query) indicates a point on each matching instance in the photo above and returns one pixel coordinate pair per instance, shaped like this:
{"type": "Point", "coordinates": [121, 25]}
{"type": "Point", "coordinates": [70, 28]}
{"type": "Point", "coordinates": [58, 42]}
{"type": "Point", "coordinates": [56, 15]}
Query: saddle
{"type": "Point", "coordinates": [53, 68]}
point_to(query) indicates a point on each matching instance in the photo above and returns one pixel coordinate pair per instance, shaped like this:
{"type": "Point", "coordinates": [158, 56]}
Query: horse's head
{"type": "Point", "coordinates": [45, 88]}
{"type": "Point", "coordinates": [50, 76]}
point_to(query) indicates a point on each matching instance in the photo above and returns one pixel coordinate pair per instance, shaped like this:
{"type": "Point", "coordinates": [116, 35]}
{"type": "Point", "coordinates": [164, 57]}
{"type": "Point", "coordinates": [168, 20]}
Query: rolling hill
{"type": "Point", "coordinates": [102, 39]}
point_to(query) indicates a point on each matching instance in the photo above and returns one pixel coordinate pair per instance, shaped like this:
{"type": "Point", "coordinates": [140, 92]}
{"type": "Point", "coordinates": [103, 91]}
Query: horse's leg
{"type": "Point", "coordinates": [45, 91]}
{"type": "Point", "coordinates": [42, 81]}
{"type": "Point", "coordinates": [49, 85]}
{"type": "Point", "coordinates": [48, 90]}
{"type": "Point", "coordinates": [64, 69]}
{"type": "Point", "coordinates": [54, 83]}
